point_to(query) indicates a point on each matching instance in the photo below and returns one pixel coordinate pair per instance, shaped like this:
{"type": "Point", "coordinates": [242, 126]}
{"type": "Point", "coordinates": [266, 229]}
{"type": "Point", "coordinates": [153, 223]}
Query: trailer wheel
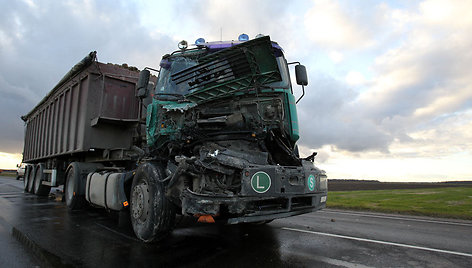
{"type": "Point", "coordinates": [152, 214]}
{"type": "Point", "coordinates": [26, 177]}
{"type": "Point", "coordinates": [72, 188]}
{"type": "Point", "coordinates": [39, 188]}
{"type": "Point", "coordinates": [31, 179]}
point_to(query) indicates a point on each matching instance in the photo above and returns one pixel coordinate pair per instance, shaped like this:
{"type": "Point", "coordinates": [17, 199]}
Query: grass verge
{"type": "Point", "coordinates": [8, 174]}
{"type": "Point", "coordinates": [450, 202]}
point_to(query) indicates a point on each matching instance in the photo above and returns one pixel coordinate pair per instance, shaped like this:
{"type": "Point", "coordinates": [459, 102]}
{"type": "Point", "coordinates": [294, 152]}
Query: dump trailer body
{"type": "Point", "coordinates": [93, 108]}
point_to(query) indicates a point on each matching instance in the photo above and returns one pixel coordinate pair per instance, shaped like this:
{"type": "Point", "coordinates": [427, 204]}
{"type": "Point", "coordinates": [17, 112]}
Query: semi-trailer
{"type": "Point", "coordinates": [214, 136]}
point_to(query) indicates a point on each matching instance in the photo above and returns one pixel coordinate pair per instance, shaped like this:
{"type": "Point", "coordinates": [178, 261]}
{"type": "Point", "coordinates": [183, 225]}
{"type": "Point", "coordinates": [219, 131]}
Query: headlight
{"type": "Point", "coordinates": [323, 182]}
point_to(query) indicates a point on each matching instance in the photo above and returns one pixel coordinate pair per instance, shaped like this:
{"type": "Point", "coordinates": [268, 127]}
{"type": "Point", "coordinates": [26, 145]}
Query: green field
{"type": "Point", "coordinates": [8, 174]}
{"type": "Point", "coordinates": [450, 202]}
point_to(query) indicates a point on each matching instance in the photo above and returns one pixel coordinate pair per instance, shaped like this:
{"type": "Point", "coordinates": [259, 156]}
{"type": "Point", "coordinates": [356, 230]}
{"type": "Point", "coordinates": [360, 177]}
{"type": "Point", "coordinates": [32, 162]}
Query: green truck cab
{"type": "Point", "coordinates": [222, 129]}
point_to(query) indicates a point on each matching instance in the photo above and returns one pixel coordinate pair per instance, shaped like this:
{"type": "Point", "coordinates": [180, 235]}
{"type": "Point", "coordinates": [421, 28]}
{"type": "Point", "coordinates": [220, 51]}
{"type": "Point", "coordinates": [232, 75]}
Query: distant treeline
{"type": "Point", "coordinates": [376, 181]}
{"type": "Point", "coordinates": [353, 180]}
{"type": "Point", "coordinates": [355, 185]}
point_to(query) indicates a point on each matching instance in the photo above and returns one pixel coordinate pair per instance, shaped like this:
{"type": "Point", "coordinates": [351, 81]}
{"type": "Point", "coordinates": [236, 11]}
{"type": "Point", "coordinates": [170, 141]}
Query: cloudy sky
{"type": "Point", "coordinates": [390, 90]}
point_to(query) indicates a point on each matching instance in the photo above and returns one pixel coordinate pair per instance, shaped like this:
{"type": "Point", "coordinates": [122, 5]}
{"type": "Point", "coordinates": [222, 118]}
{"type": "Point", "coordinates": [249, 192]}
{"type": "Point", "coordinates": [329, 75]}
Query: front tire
{"type": "Point", "coordinates": [152, 214]}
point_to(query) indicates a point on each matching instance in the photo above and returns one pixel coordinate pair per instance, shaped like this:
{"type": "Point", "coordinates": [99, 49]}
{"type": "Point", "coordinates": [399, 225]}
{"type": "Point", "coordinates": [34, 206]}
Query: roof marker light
{"type": "Point", "coordinates": [259, 35]}
{"type": "Point", "coordinates": [243, 37]}
{"type": "Point", "coordinates": [183, 45]}
{"type": "Point", "coordinates": [199, 41]}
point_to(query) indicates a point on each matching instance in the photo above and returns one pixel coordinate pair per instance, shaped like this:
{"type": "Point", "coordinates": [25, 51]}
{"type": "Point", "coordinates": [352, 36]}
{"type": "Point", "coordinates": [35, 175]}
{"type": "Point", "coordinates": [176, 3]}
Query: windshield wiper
{"type": "Point", "coordinates": [169, 94]}
{"type": "Point", "coordinates": [178, 97]}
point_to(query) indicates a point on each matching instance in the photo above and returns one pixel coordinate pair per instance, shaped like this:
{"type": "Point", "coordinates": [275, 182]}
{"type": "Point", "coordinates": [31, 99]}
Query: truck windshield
{"type": "Point", "coordinates": [172, 65]}
{"type": "Point", "coordinates": [169, 66]}
{"type": "Point", "coordinates": [284, 73]}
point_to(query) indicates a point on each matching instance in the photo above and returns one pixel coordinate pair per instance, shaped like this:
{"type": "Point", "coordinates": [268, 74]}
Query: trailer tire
{"type": "Point", "coordinates": [72, 188]}
{"type": "Point", "coordinates": [152, 214]}
{"type": "Point", "coordinates": [26, 177]}
{"type": "Point", "coordinates": [39, 188]}
{"type": "Point", "coordinates": [31, 179]}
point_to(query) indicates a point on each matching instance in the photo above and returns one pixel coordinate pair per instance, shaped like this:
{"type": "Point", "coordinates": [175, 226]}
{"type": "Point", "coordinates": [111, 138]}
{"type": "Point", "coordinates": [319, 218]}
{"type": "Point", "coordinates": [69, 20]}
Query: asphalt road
{"type": "Point", "coordinates": [44, 232]}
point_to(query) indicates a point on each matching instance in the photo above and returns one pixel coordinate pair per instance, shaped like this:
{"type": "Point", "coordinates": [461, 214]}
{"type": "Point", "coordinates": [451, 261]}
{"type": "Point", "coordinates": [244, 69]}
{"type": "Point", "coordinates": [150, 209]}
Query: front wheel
{"type": "Point", "coordinates": [152, 214]}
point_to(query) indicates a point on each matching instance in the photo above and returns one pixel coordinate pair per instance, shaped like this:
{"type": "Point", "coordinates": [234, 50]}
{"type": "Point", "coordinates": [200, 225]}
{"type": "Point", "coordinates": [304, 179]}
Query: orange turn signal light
{"type": "Point", "coordinates": [125, 203]}
{"type": "Point", "coordinates": [206, 219]}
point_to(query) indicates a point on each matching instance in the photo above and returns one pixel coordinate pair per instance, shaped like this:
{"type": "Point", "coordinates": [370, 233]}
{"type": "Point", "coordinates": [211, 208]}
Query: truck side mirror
{"type": "Point", "coordinates": [142, 85]}
{"type": "Point", "coordinates": [301, 76]}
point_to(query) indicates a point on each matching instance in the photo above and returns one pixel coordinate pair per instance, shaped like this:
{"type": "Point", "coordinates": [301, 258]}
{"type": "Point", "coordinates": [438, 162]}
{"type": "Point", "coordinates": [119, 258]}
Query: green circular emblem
{"type": "Point", "coordinates": [260, 182]}
{"type": "Point", "coordinates": [311, 182]}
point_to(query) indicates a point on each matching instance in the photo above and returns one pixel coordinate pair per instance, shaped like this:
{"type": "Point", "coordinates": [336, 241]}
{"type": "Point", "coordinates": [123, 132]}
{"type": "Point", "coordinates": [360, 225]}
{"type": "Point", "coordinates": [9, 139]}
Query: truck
{"type": "Point", "coordinates": [213, 136]}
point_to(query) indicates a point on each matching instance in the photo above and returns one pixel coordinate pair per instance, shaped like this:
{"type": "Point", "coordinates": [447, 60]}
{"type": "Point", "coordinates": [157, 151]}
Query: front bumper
{"type": "Point", "coordinates": [267, 192]}
{"type": "Point", "coordinates": [251, 209]}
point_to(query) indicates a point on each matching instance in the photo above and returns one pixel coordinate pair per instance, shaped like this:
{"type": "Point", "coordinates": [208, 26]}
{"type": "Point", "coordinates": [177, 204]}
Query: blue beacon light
{"type": "Point", "coordinates": [199, 41]}
{"type": "Point", "coordinates": [243, 37]}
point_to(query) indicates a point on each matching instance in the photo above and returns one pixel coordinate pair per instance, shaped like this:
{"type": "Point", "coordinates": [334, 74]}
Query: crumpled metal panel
{"type": "Point", "coordinates": [230, 70]}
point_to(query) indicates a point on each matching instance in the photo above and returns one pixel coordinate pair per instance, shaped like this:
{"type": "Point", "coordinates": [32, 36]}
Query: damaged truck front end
{"type": "Point", "coordinates": [223, 127]}
{"type": "Point", "coordinates": [262, 192]}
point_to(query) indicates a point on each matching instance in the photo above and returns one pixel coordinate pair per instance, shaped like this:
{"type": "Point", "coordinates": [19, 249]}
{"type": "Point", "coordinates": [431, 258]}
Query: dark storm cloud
{"type": "Point", "coordinates": [328, 115]}
{"type": "Point", "coordinates": [40, 42]}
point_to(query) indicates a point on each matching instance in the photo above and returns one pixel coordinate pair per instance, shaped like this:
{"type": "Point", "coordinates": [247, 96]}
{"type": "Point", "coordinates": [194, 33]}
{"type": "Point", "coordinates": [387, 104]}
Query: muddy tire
{"type": "Point", "coordinates": [38, 187]}
{"type": "Point", "coordinates": [152, 214]}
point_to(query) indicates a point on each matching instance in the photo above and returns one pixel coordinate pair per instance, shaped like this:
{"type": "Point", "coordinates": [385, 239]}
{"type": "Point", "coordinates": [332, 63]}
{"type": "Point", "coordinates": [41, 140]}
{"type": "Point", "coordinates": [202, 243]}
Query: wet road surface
{"type": "Point", "coordinates": [329, 238]}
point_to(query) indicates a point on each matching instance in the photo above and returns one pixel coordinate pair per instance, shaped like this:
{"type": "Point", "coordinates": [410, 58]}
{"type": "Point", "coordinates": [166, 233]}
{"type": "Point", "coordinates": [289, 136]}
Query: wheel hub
{"type": "Point", "coordinates": [140, 202]}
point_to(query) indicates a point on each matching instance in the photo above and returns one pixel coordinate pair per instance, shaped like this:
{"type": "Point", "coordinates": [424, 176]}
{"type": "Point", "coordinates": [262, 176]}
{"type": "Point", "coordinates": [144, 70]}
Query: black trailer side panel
{"type": "Point", "coordinates": [96, 109]}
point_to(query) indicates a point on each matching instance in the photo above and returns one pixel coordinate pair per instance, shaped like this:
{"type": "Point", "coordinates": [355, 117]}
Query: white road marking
{"type": "Point", "coordinates": [8, 183]}
{"type": "Point", "coordinates": [12, 194]}
{"type": "Point", "coordinates": [380, 242]}
{"type": "Point", "coordinates": [389, 217]}
{"type": "Point", "coordinates": [328, 260]}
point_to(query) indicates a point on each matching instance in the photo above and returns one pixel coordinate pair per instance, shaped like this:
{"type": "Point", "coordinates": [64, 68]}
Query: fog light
{"type": "Point", "coordinates": [323, 199]}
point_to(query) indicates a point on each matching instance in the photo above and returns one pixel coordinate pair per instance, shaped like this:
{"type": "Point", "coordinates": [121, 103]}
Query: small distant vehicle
{"type": "Point", "coordinates": [20, 171]}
